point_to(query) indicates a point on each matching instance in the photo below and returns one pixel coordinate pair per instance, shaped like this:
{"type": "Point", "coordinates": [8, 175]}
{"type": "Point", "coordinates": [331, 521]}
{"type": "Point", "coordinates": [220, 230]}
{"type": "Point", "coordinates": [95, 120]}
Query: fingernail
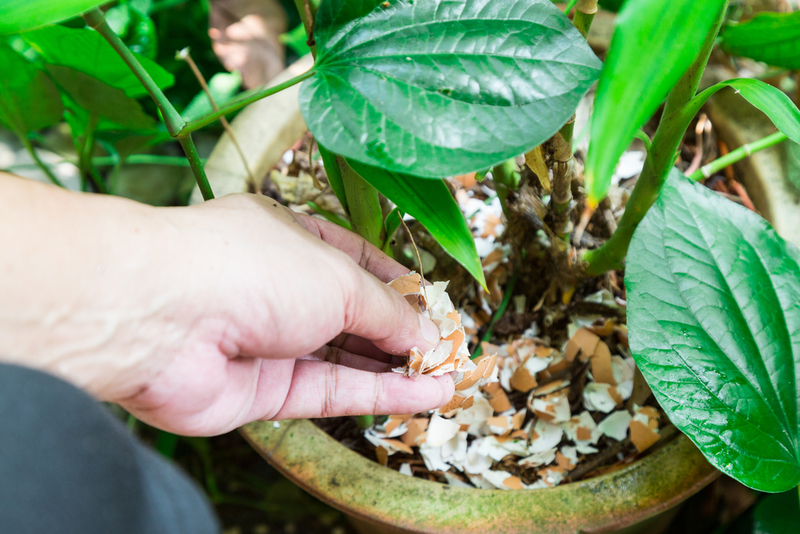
{"type": "Point", "coordinates": [429, 330]}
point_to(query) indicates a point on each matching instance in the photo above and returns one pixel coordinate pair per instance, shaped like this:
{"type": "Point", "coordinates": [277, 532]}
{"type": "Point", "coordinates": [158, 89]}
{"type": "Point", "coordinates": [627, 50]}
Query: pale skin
{"type": "Point", "coordinates": [198, 320]}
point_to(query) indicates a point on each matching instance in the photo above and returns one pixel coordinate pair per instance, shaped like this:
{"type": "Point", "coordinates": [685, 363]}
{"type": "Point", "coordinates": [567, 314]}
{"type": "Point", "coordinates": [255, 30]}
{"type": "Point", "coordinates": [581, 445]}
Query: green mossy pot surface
{"type": "Point", "coordinates": [393, 502]}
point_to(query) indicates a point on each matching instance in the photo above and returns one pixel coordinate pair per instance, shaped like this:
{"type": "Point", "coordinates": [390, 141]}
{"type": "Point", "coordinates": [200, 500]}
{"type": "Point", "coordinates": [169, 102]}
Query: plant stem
{"type": "Point", "coordinates": [239, 104]}
{"type": "Point", "coordinates": [506, 178]}
{"type": "Point", "coordinates": [737, 155]}
{"type": "Point", "coordinates": [498, 314]}
{"type": "Point", "coordinates": [172, 118]}
{"type": "Point", "coordinates": [29, 147]}
{"type": "Point", "coordinates": [197, 166]}
{"type": "Point", "coordinates": [584, 15]}
{"type": "Point", "coordinates": [660, 159]}
{"type": "Point", "coordinates": [363, 203]}
{"type": "Point", "coordinates": [186, 56]}
{"type": "Point", "coordinates": [561, 193]}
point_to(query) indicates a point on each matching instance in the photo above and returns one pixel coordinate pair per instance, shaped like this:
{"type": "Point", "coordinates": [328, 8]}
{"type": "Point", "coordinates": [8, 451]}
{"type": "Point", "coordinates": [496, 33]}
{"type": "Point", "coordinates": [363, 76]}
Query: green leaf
{"type": "Point", "coordinates": [611, 5]}
{"type": "Point", "coordinates": [297, 40]}
{"type": "Point", "coordinates": [654, 43]}
{"type": "Point", "coordinates": [714, 320]}
{"type": "Point", "coordinates": [223, 86]}
{"type": "Point", "coordinates": [21, 15]}
{"type": "Point", "coordinates": [334, 174]}
{"type": "Point", "coordinates": [390, 225]}
{"type": "Point", "coordinates": [773, 38]}
{"type": "Point", "coordinates": [429, 202]}
{"type": "Point", "coordinates": [443, 87]}
{"type": "Point", "coordinates": [28, 99]}
{"type": "Point", "coordinates": [101, 100]}
{"type": "Point", "coordinates": [777, 514]}
{"type": "Point", "coordinates": [85, 50]}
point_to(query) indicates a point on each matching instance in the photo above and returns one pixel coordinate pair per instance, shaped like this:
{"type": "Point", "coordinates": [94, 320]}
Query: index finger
{"type": "Point", "coordinates": [367, 255]}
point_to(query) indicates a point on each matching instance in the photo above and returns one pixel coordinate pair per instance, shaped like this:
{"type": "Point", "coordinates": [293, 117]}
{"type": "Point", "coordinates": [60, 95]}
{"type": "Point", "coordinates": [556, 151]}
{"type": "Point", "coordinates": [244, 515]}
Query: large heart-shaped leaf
{"type": "Point", "coordinates": [21, 15]}
{"type": "Point", "coordinates": [28, 99]}
{"type": "Point", "coordinates": [441, 87]}
{"type": "Point", "coordinates": [429, 202]}
{"type": "Point", "coordinates": [714, 319]}
{"type": "Point", "coordinates": [773, 38]}
{"type": "Point", "coordinates": [85, 50]}
{"type": "Point", "coordinates": [654, 43]}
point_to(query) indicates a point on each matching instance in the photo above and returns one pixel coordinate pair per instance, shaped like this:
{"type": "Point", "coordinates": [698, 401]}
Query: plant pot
{"type": "Point", "coordinates": [641, 497]}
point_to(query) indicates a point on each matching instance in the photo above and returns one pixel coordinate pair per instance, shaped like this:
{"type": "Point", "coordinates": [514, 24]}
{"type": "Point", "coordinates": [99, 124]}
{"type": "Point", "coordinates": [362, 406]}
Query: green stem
{"type": "Point", "coordinates": [584, 15]}
{"type": "Point", "coordinates": [172, 119]}
{"type": "Point", "coordinates": [239, 104]}
{"type": "Point", "coordinates": [660, 159]}
{"type": "Point", "coordinates": [197, 166]}
{"type": "Point", "coordinates": [29, 147]}
{"type": "Point", "coordinates": [86, 164]}
{"type": "Point", "coordinates": [737, 155]}
{"type": "Point", "coordinates": [498, 314]}
{"type": "Point", "coordinates": [506, 178]}
{"type": "Point", "coordinates": [363, 203]}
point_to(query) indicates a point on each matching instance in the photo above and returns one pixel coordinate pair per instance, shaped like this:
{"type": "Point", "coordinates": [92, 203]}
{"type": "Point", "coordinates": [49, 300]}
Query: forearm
{"type": "Point", "coordinates": [64, 257]}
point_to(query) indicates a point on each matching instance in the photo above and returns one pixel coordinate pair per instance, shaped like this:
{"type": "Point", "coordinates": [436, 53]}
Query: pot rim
{"type": "Point", "coordinates": [352, 483]}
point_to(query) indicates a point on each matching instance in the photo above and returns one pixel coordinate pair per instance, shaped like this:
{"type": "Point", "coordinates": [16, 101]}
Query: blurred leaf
{"type": "Point", "coordinates": [334, 174]}
{"type": "Point", "coordinates": [223, 86]}
{"type": "Point", "coordinates": [391, 224]}
{"type": "Point", "coordinates": [119, 18]}
{"type": "Point", "coordinates": [100, 99]}
{"type": "Point", "coordinates": [654, 43]}
{"type": "Point", "coordinates": [86, 50]}
{"type": "Point", "coordinates": [429, 202]}
{"type": "Point", "coordinates": [297, 40]}
{"type": "Point", "coordinates": [777, 514]}
{"type": "Point", "coordinates": [135, 28]}
{"type": "Point", "coordinates": [21, 15]}
{"type": "Point", "coordinates": [28, 99]}
{"type": "Point", "coordinates": [773, 38]}
{"type": "Point", "coordinates": [443, 87]}
{"type": "Point", "coordinates": [714, 319]}
{"type": "Point", "coordinates": [793, 164]}
{"type": "Point", "coordinates": [611, 5]}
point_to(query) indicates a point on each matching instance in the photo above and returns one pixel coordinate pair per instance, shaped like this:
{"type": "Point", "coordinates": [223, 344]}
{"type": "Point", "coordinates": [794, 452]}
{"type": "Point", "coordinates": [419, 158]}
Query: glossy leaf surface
{"type": "Point", "coordinates": [436, 88]}
{"type": "Point", "coordinates": [654, 43]}
{"type": "Point", "coordinates": [714, 319]}
{"type": "Point", "coordinates": [86, 50]}
{"type": "Point", "coordinates": [429, 202]}
{"type": "Point", "coordinates": [28, 99]}
{"type": "Point", "coordinates": [21, 15]}
{"type": "Point", "coordinates": [773, 38]}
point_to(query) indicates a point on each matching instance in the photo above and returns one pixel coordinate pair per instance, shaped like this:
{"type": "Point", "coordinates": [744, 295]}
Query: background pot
{"type": "Point", "coordinates": [638, 498]}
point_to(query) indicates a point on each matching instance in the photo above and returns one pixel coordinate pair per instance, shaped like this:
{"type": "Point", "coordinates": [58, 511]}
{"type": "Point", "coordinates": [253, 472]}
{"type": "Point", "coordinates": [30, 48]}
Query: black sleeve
{"type": "Point", "coordinates": [68, 466]}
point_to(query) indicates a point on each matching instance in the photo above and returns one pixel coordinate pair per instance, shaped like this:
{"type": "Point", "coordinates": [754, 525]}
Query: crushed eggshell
{"type": "Point", "coordinates": [553, 408]}
{"type": "Point", "coordinates": [615, 425]}
{"type": "Point", "coordinates": [644, 428]}
{"type": "Point", "coordinates": [480, 433]}
{"type": "Point", "coordinates": [440, 430]}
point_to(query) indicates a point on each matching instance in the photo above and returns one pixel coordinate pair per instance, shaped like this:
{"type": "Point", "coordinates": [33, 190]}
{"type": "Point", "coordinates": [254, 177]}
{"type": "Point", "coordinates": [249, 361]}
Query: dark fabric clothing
{"type": "Point", "coordinates": [68, 466]}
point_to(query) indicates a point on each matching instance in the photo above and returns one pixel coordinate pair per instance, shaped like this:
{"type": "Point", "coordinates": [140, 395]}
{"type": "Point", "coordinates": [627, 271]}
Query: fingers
{"type": "Point", "coordinates": [365, 254]}
{"type": "Point", "coordinates": [339, 356]}
{"type": "Point", "coordinates": [376, 312]}
{"type": "Point", "coordinates": [322, 389]}
{"type": "Point", "coordinates": [361, 346]}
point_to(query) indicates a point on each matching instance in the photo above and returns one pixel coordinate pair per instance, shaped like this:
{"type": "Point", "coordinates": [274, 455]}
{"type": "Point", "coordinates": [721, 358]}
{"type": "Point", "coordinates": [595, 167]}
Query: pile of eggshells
{"type": "Point", "coordinates": [480, 432]}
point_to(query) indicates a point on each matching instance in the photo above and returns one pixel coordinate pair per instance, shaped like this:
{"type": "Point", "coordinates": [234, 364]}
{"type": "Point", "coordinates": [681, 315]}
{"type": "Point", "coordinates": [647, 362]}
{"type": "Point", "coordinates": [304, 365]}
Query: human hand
{"type": "Point", "coordinates": [201, 319]}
